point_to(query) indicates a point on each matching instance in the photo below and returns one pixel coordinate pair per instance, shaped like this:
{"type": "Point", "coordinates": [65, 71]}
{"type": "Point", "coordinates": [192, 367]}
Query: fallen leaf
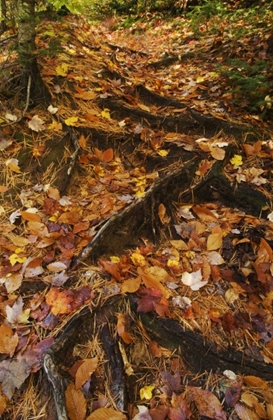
{"type": "Point", "coordinates": [218, 153]}
{"type": "Point", "coordinates": [214, 241]}
{"type": "Point", "coordinates": [84, 371]}
{"type": "Point", "coordinates": [237, 160]}
{"type": "Point", "coordinates": [13, 374]}
{"type": "Point", "coordinates": [207, 404]}
{"type": "Point", "coordinates": [12, 164]}
{"type": "Point", "coordinates": [193, 280]}
{"type": "Point", "coordinates": [106, 414]}
{"type": "Point", "coordinates": [146, 392]}
{"type": "Point", "coordinates": [8, 340]}
{"type": "Point", "coordinates": [36, 124]}
{"type": "Point", "coordinates": [62, 70]}
{"type": "Point", "coordinates": [16, 314]}
{"type": "Point", "coordinates": [75, 403]}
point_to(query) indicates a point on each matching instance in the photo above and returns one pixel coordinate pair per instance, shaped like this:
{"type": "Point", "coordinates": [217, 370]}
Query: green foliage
{"type": "Point", "coordinates": [206, 15]}
{"type": "Point", "coordinates": [249, 84]}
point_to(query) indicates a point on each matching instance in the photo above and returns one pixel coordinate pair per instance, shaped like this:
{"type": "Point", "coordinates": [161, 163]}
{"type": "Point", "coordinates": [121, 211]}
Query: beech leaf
{"type": "Point", "coordinates": [85, 370]}
{"type": "Point", "coordinates": [75, 403]}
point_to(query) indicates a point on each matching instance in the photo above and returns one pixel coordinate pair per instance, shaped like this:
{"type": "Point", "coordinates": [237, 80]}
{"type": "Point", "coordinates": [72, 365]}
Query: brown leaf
{"type": "Point", "coordinates": [8, 340]}
{"type": "Point", "coordinates": [204, 214]}
{"type": "Point", "coordinates": [12, 375]}
{"type": "Point", "coordinates": [107, 155]}
{"type": "Point", "coordinates": [106, 414]}
{"type": "Point", "coordinates": [75, 403]}
{"type": "Point", "coordinates": [180, 409]}
{"type": "Point", "coordinates": [207, 404]}
{"type": "Point", "coordinates": [232, 394]}
{"type": "Point", "coordinates": [85, 370]}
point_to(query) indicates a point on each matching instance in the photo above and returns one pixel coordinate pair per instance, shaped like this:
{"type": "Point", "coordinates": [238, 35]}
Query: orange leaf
{"type": "Point", "coordinates": [107, 155]}
{"type": "Point", "coordinates": [82, 142]}
{"type": "Point", "coordinates": [8, 340]}
{"type": "Point", "coordinates": [32, 217]}
{"type": "Point", "coordinates": [204, 214]}
{"type": "Point", "coordinates": [255, 382]}
{"type": "Point", "coordinates": [131, 285]}
{"type": "Point", "coordinates": [106, 414]}
{"type": "Point", "coordinates": [75, 403]}
{"type": "Point", "coordinates": [85, 371]}
{"type": "Point", "coordinates": [60, 302]}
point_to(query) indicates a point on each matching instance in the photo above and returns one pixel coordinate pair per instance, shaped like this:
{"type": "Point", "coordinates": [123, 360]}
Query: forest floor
{"type": "Point", "coordinates": [137, 222]}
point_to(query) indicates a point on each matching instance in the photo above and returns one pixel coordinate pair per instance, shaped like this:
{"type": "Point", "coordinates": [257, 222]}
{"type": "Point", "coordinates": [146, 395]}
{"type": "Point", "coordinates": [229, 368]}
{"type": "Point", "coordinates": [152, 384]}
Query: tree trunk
{"type": "Point", "coordinates": [31, 78]}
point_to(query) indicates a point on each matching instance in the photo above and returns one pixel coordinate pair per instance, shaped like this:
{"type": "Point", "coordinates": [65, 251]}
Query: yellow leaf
{"type": "Point", "coordinates": [115, 259]}
{"type": "Point", "coordinates": [23, 318]}
{"type": "Point", "coordinates": [14, 258]}
{"type": "Point", "coordinates": [140, 193]}
{"type": "Point", "coordinates": [71, 121]}
{"type": "Point", "coordinates": [214, 241]}
{"type": "Point", "coordinates": [146, 392]}
{"type": "Point", "coordinates": [106, 114]}
{"type": "Point", "coordinates": [62, 70]}
{"type": "Point", "coordinates": [200, 79]}
{"type": "Point", "coordinates": [56, 126]}
{"type": "Point", "coordinates": [163, 152]}
{"type": "Point", "coordinates": [172, 263]}
{"type": "Point", "coordinates": [138, 259]}
{"type": "Point", "coordinates": [236, 160]}
{"type": "Point", "coordinates": [12, 164]}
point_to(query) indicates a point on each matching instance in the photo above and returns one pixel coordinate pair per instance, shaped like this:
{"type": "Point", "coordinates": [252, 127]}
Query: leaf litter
{"type": "Point", "coordinates": [216, 279]}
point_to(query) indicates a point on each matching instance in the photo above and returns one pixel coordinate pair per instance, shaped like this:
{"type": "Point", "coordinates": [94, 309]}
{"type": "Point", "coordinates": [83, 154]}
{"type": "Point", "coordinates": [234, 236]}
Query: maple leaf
{"type": "Point", "coordinates": [193, 280]}
{"type": "Point", "coordinates": [237, 160]}
{"type": "Point", "coordinates": [13, 373]}
{"type": "Point", "coordinates": [72, 121]}
{"type": "Point", "coordinates": [106, 114]}
{"type": "Point", "coordinates": [62, 70]}
{"type": "Point", "coordinates": [36, 124]}
{"type": "Point", "coordinates": [146, 392]}
{"type": "Point", "coordinates": [143, 413]}
{"type": "Point", "coordinates": [15, 314]}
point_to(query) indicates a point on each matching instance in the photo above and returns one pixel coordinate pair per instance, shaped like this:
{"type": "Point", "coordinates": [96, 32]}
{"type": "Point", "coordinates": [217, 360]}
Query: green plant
{"type": "Point", "coordinates": [249, 83]}
{"type": "Point", "coordinates": [208, 12]}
